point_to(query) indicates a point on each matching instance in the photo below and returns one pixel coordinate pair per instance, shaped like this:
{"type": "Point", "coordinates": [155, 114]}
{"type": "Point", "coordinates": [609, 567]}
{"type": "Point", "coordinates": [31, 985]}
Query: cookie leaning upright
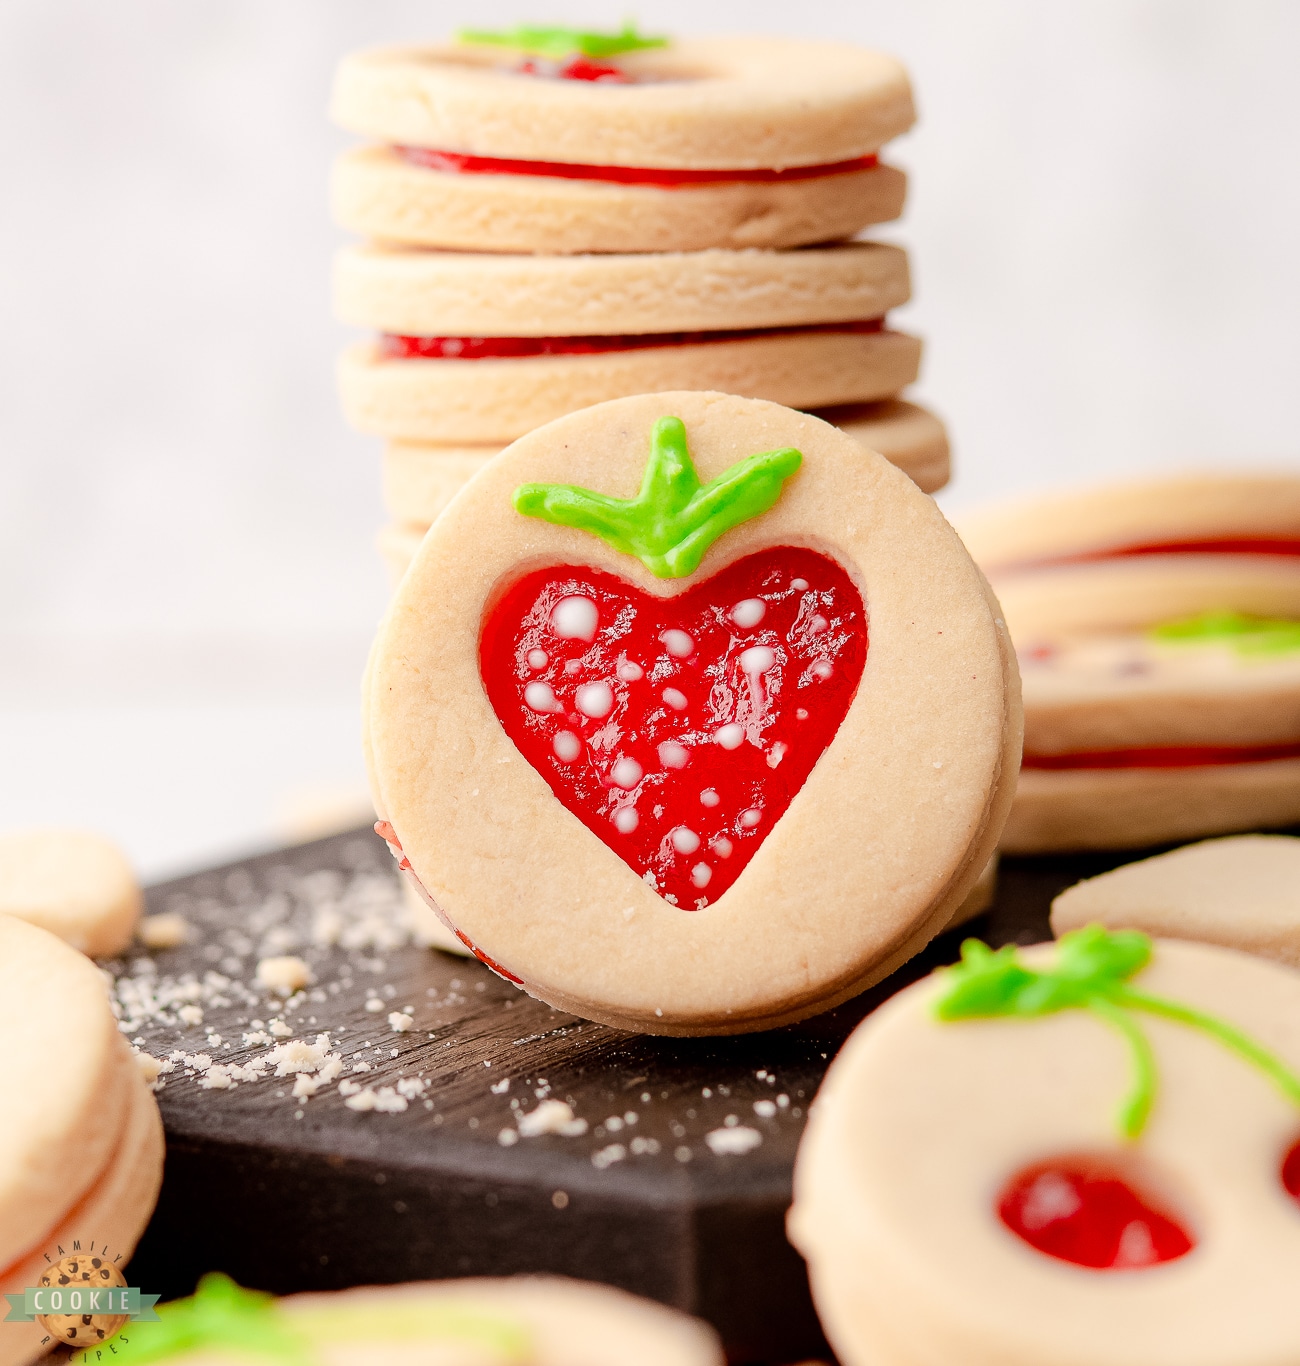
{"type": "Point", "coordinates": [693, 759]}
{"type": "Point", "coordinates": [1158, 627]}
{"type": "Point", "coordinates": [81, 1142]}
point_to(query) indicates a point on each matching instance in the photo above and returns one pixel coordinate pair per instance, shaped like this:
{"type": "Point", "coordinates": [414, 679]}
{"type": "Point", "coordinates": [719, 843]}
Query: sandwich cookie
{"type": "Point", "coordinates": [519, 1321]}
{"type": "Point", "coordinates": [81, 1145]}
{"type": "Point", "coordinates": [527, 142]}
{"type": "Point", "coordinates": [75, 884]}
{"type": "Point", "coordinates": [1242, 892]}
{"type": "Point", "coordinates": [475, 348]}
{"type": "Point", "coordinates": [1158, 628]}
{"type": "Point", "coordinates": [692, 716]}
{"type": "Point", "coordinates": [1102, 1167]}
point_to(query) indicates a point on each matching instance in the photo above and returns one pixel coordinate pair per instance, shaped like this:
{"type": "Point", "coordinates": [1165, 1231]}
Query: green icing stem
{"type": "Point", "coordinates": [1091, 972]}
{"type": "Point", "coordinates": [222, 1316]}
{"type": "Point", "coordinates": [673, 520]}
{"type": "Point", "coordinates": [559, 42]}
{"type": "Point", "coordinates": [1247, 635]}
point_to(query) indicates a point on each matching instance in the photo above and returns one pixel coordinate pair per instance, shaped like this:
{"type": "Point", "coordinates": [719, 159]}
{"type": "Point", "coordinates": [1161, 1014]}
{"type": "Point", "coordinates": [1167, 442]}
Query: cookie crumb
{"type": "Point", "coordinates": [399, 1022]}
{"type": "Point", "coordinates": [166, 931]}
{"type": "Point", "coordinates": [285, 975]}
{"type": "Point", "coordinates": [733, 1142]}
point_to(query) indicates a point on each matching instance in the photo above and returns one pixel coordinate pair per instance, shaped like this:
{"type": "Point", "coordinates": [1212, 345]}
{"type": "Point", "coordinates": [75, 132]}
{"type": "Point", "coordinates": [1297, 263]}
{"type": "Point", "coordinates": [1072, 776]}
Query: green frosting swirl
{"type": "Point", "coordinates": [1247, 635]}
{"type": "Point", "coordinates": [558, 42]}
{"type": "Point", "coordinates": [224, 1317]}
{"type": "Point", "coordinates": [674, 519]}
{"type": "Point", "coordinates": [1091, 972]}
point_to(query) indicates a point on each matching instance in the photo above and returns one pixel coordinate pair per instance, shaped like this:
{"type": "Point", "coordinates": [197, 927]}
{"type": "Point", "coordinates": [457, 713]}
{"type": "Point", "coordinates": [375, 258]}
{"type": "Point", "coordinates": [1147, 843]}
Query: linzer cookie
{"type": "Point", "coordinates": [692, 716]}
{"type": "Point", "coordinates": [482, 348]}
{"type": "Point", "coordinates": [1086, 1155]}
{"type": "Point", "coordinates": [560, 141]}
{"type": "Point", "coordinates": [1158, 629]}
{"type": "Point", "coordinates": [519, 1321]}
{"type": "Point", "coordinates": [81, 1143]}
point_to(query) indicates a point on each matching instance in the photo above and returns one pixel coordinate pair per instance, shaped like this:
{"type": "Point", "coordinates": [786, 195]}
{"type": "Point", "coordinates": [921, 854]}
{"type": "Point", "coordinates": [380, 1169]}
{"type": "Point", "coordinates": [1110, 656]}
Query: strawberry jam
{"type": "Point", "coordinates": [576, 68]}
{"type": "Point", "coordinates": [1291, 1171]}
{"type": "Point", "coordinates": [678, 729]}
{"type": "Point", "coordinates": [463, 163]}
{"type": "Point", "coordinates": [1165, 756]}
{"type": "Point", "coordinates": [1085, 1213]}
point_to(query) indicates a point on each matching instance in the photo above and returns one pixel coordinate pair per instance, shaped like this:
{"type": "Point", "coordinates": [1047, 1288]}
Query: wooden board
{"type": "Point", "coordinates": [292, 1195]}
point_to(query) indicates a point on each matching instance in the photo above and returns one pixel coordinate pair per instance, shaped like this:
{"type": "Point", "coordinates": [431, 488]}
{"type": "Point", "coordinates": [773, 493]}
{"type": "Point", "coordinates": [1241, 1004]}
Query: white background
{"type": "Point", "coordinates": [1103, 234]}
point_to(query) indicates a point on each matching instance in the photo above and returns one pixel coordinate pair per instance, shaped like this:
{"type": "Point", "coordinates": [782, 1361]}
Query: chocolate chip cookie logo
{"type": "Point", "coordinates": [82, 1301]}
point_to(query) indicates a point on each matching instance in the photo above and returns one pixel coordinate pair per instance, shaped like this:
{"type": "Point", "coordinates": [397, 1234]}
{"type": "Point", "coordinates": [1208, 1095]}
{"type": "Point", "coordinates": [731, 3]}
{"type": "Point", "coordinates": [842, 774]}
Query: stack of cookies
{"type": "Point", "coordinates": [558, 218]}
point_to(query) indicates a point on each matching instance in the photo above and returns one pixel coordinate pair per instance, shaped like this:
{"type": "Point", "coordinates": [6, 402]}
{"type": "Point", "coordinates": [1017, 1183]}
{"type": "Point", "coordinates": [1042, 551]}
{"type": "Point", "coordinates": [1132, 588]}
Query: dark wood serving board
{"type": "Point", "coordinates": [290, 1196]}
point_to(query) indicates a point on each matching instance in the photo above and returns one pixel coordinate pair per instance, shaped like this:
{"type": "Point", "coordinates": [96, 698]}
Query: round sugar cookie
{"type": "Point", "coordinates": [704, 103]}
{"type": "Point", "coordinates": [456, 402]}
{"type": "Point", "coordinates": [945, 1222]}
{"type": "Point", "coordinates": [816, 785]}
{"type": "Point", "coordinates": [385, 194]}
{"type": "Point", "coordinates": [60, 1122]}
{"type": "Point", "coordinates": [112, 1214]}
{"type": "Point", "coordinates": [477, 294]}
{"type": "Point", "coordinates": [420, 479]}
{"type": "Point", "coordinates": [1242, 892]}
{"type": "Point", "coordinates": [74, 883]}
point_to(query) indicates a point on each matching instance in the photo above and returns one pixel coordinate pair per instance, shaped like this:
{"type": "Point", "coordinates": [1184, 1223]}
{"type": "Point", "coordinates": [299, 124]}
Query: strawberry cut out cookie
{"type": "Point", "coordinates": [692, 716]}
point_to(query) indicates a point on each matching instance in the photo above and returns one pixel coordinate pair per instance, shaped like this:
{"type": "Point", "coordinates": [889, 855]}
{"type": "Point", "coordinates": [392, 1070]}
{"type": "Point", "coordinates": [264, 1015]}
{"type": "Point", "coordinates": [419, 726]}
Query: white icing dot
{"type": "Point", "coordinates": [575, 619]}
{"type": "Point", "coordinates": [818, 624]}
{"type": "Point", "coordinates": [709, 797]}
{"type": "Point", "coordinates": [594, 700]}
{"type": "Point", "coordinates": [626, 772]}
{"type": "Point", "coordinates": [800, 714]}
{"type": "Point", "coordinates": [822, 669]}
{"type": "Point", "coordinates": [678, 644]}
{"type": "Point", "coordinates": [539, 697]}
{"type": "Point", "coordinates": [731, 736]}
{"type": "Point", "coordinates": [779, 751]}
{"type": "Point", "coordinates": [573, 666]}
{"type": "Point", "coordinates": [567, 746]}
{"type": "Point", "coordinates": [749, 819]}
{"type": "Point", "coordinates": [672, 755]}
{"type": "Point", "coordinates": [675, 698]}
{"type": "Point", "coordinates": [629, 672]}
{"type": "Point", "coordinates": [758, 659]}
{"type": "Point", "coordinates": [701, 874]}
{"type": "Point", "coordinates": [684, 839]}
{"type": "Point", "coordinates": [722, 846]}
{"type": "Point", "coordinates": [799, 585]}
{"type": "Point", "coordinates": [537, 659]}
{"type": "Point", "coordinates": [626, 820]}
{"type": "Point", "coordinates": [749, 613]}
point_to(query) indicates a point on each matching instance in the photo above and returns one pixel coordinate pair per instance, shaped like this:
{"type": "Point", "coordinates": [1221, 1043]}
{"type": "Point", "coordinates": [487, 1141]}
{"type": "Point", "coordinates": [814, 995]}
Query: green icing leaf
{"type": "Point", "coordinates": [558, 42]}
{"type": "Point", "coordinates": [673, 520]}
{"type": "Point", "coordinates": [224, 1317]}
{"type": "Point", "coordinates": [1092, 971]}
{"type": "Point", "coordinates": [1248, 635]}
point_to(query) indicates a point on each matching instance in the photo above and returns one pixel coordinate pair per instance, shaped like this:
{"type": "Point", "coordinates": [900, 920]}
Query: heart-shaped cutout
{"type": "Point", "coordinates": [678, 730]}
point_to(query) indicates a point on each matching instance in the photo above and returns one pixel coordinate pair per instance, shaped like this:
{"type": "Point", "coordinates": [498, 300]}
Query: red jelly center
{"type": "Point", "coordinates": [678, 730]}
{"type": "Point", "coordinates": [394, 347]}
{"type": "Point", "coordinates": [1291, 1172]}
{"type": "Point", "coordinates": [1081, 1212]}
{"type": "Point", "coordinates": [1165, 756]}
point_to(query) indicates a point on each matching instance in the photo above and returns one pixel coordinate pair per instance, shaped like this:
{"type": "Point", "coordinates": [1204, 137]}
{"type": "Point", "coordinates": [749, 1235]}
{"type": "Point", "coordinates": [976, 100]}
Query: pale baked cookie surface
{"type": "Point", "coordinates": [385, 194]}
{"type": "Point", "coordinates": [481, 401]}
{"type": "Point", "coordinates": [1242, 892]}
{"type": "Point", "coordinates": [476, 294]}
{"type": "Point", "coordinates": [516, 1321]}
{"type": "Point", "coordinates": [709, 103]}
{"type": "Point", "coordinates": [74, 883]}
{"type": "Point", "coordinates": [917, 1206]}
{"type": "Point", "coordinates": [877, 847]}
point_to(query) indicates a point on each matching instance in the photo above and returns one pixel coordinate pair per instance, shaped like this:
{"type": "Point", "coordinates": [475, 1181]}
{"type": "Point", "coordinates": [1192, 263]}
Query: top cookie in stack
{"type": "Point", "coordinates": [558, 218]}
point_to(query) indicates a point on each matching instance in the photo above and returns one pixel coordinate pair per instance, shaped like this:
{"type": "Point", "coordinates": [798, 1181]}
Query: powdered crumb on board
{"type": "Point", "coordinates": [285, 975]}
{"type": "Point", "coordinates": [551, 1117]}
{"type": "Point", "coordinates": [733, 1142]}
{"type": "Point", "coordinates": [399, 1022]}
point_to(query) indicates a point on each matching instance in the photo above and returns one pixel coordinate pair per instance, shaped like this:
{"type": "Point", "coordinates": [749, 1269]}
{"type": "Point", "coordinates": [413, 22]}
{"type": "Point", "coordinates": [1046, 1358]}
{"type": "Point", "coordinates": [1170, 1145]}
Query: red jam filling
{"type": "Point", "coordinates": [577, 68]}
{"type": "Point", "coordinates": [462, 163]}
{"type": "Point", "coordinates": [1164, 756]}
{"type": "Point", "coordinates": [1081, 1212]}
{"type": "Point", "coordinates": [394, 347]}
{"type": "Point", "coordinates": [678, 729]}
{"type": "Point", "coordinates": [1291, 1172]}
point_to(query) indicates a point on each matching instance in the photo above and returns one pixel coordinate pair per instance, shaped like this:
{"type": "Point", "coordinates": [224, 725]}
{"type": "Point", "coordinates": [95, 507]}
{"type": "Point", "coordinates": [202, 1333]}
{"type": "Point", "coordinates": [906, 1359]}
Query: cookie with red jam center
{"type": "Point", "coordinates": [1057, 1156]}
{"type": "Point", "coordinates": [692, 716]}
